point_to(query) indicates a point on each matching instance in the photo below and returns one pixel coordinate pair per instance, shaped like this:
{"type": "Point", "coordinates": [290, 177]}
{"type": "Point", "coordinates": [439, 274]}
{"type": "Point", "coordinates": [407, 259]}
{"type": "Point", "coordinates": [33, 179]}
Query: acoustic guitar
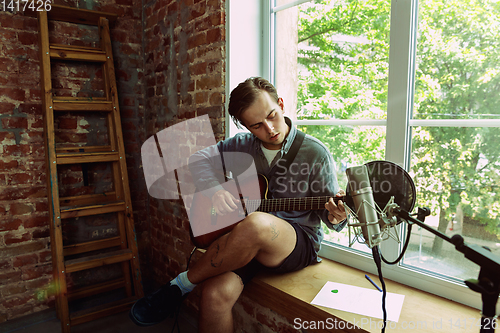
{"type": "Point", "coordinates": [203, 212]}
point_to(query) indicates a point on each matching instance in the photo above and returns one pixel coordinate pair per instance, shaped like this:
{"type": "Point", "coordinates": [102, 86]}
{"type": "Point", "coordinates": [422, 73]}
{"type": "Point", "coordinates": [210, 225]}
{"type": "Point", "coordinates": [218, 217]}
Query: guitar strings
{"type": "Point", "coordinates": [304, 203]}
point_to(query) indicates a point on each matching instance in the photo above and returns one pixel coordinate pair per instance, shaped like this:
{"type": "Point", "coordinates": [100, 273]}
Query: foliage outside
{"type": "Point", "coordinates": [343, 74]}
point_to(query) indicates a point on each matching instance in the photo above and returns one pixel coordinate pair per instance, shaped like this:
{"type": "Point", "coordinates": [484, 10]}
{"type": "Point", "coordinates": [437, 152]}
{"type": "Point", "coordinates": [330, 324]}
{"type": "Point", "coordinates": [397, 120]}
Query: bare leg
{"type": "Point", "coordinates": [218, 297]}
{"type": "Point", "coordinates": [260, 235]}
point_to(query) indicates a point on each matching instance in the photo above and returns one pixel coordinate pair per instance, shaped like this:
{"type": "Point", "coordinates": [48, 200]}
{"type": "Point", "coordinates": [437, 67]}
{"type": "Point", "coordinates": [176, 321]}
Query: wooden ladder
{"type": "Point", "coordinates": [119, 249]}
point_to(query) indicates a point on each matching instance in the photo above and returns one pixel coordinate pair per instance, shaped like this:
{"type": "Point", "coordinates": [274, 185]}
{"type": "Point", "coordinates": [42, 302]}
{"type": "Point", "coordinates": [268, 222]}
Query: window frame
{"type": "Point", "coordinates": [398, 124]}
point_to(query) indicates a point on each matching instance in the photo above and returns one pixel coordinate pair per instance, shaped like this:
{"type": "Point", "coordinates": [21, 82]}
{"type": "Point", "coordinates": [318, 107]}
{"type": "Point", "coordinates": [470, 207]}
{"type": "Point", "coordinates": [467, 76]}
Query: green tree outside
{"type": "Point", "coordinates": [343, 59]}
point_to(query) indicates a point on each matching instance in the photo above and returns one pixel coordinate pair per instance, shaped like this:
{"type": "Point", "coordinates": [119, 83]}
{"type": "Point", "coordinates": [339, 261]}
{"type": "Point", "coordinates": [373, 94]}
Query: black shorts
{"type": "Point", "coordinates": [302, 256]}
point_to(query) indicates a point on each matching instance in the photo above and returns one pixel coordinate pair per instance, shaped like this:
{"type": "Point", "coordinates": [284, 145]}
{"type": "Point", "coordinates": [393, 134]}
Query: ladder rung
{"type": "Point", "coordinates": [72, 158]}
{"type": "Point", "coordinates": [96, 289]}
{"type": "Point", "coordinates": [108, 258]}
{"type": "Point", "coordinates": [109, 207]}
{"type": "Point", "coordinates": [83, 149]}
{"type": "Point", "coordinates": [77, 99]}
{"type": "Point", "coordinates": [92, 246]}
{"type": "Point", "coordinates": [87, 199]}
{"type": "Point", "coordinates": [100, 311]}
{"type": "Point", "coordinates": [75, 15]}
{"type": "Point", "coordinates": [66, 52]}
{"type": "Point", "coordinates": [103, 106]}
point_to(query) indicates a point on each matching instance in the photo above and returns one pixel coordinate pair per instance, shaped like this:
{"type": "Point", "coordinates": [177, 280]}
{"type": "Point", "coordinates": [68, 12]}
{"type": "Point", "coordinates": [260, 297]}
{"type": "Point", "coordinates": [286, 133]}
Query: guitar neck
{"type": "Point", "coordinates": [289, 204]}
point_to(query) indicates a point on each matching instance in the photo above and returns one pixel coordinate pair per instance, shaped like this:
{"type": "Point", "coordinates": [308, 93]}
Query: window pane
{"type": "Point", "coordinates": [458, 52]}
{"type": "Point", "coordinates": [331, 59]}
{"type": "Point", "coordinates": [366, 143]}
{"type": "Point", "coordinates": [456, 171]}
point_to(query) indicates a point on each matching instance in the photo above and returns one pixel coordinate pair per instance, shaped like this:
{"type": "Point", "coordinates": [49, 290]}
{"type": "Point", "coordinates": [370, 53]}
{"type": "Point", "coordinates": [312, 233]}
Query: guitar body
{"type": "Point", "coordinates": [204, 217]}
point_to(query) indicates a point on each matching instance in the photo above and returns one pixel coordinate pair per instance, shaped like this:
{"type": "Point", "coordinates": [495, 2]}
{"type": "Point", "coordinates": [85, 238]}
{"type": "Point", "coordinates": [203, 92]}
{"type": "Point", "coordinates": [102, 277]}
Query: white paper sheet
{"type": "Point", "coordinates": [363, 301]}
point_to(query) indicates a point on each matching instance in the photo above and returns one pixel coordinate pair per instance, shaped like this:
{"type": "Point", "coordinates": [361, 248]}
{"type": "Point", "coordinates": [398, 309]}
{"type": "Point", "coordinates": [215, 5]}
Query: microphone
{"type": "Point", "coordinates": [362, 195]}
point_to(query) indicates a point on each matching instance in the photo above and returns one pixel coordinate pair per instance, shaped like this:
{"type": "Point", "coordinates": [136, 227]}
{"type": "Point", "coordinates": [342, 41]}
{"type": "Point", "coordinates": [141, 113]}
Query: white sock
{"type": "Point", "coordinates": [183, 283]}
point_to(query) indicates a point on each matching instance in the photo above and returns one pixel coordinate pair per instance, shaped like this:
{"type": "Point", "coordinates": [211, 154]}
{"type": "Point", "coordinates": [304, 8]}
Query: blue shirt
{"type": "Point", "coordinates": [311, 174]}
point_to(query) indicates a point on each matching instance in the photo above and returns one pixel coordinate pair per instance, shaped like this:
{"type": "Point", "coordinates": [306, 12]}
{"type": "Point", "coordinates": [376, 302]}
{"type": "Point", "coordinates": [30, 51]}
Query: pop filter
{"type": "Point", "coordinates": [388, 180]}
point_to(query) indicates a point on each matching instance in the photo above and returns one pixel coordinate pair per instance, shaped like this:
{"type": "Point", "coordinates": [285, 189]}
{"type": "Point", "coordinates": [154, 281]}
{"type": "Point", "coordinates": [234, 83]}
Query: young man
{"type": "Point", "coordinates": [278, 242]}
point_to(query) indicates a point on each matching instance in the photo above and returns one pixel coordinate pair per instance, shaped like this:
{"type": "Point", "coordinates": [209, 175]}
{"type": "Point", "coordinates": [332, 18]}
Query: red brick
{"type": "Point", "coordinates": [67, 123]}
{"type": "Point", "coordinates": [7, 108]}
{"type": "Point", "coordinates": [28, 38]}
{"type": "Point", "coordinates": [36, 123]}
{"type": "Point", "coordinates": [42, 206]}
{"type": "Point", "coordinates": [20, 178]}
{"type": "Point", "coordinates": [15, 250]}
{"type": "Point", "coordinates": [197, 40]}
{"type": "Point", "coordinates": [13, 289]}
{"type": "Point", "coordinates": [6, 137]}
{"type": "Point", "coordinates": [19, 193]}
{"type": "Point", "coordinates": [12, 224]}
{"type": "Point", "coordinates": [35, 272]}
{"type": "Point", "coordinates": [198, 69]}
{"type": "Point", "coordinates": [8, 65]}
{"type": "Point", "coordinates": [16, 301]}
{"type": "Point", "coordinates": [13, 93]}
{"type": "Point", "coordinates": [8, 165]}
{"type": "Point", "coordinates": [201, 97]}
{"type": "Point", "coordinates": [15, 237]}
{"type": "Point", "coordinates": [5, 264]}
{"type": "Point", "coordinates": [215, 35]}
{"type": "Point", "coordinates": [45, 256]}
{"type": "Point", "coordinates": [209, 82]}
{"type": "Point", "coordinates": [41, 233]}
{"type": "Point", "coordinates": [36, 221]}
{"type": "Point", "coordinates": [20, 209]}
{"type": "Point", "coordinates": [7, 36]}
{"type": "Point", "coordinates": [197, 11]}
{"type": "Point", "coordinates": [216, 98]}
{"type": "Point", "coordinates": [17, 150]}
{"type": "Point", "coordinates": [32, 137]}
{"type": "Point", "coordinates": [14, 122]}
{"type": "Point", "coordinates": [215, 4]}
{"type": "Point", "coordinates": [31, 108]}
{"type": "Point", "coordinates": [35, 94]}
{"type": "Point", "coordinates": [28, 259]}
{"type": "Point", "coordinates": [30, 67]}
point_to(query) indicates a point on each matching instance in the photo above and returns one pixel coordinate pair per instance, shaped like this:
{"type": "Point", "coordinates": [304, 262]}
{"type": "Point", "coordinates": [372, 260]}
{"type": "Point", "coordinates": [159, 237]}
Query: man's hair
{"type": "Point", "coordinates": [245, 94]}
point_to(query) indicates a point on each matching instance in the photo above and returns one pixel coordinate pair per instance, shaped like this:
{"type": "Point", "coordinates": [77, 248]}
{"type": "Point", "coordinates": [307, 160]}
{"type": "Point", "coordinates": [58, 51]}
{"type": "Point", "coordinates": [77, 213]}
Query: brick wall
{"type": "Point", "coordinates": [170, 66]}
{"type": "Point", "coordinates": [25, 257]}
{"type": "Point", "coordinates": [184, 54]}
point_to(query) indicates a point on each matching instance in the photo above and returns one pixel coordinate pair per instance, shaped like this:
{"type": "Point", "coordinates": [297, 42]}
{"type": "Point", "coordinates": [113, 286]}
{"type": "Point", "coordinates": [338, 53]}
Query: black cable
{"type": "Point", "coordinates": [407, 242]}
{"type": "Point", "coordinates": [378, 262]}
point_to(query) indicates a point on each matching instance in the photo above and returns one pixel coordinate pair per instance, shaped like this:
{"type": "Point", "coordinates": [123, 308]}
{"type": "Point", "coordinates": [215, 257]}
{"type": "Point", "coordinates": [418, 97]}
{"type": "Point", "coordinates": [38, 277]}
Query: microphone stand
{"type": "Point", "coordinates": [488, 282]}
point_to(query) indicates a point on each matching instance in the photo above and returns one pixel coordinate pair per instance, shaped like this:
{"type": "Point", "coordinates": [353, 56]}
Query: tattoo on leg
{"type": "Point", "coordinates": [274, 231]}
{"type": "Point", "coordinates": [214, 261]}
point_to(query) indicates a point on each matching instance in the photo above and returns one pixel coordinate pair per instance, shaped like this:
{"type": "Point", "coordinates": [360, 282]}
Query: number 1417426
{"type": "Point", "coordinates": [25, 5]}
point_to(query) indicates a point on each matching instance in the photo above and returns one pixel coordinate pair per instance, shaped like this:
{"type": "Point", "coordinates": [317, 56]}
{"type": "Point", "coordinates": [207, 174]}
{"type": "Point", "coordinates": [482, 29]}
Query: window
{"type": "Point", "coordinates": [415, 84]}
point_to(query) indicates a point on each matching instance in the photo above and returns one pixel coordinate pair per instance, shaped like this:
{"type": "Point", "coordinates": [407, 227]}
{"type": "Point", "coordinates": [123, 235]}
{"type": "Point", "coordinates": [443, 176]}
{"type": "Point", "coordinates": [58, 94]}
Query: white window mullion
{"type": "Point", "coordinates": [400, 92]}
{"type": "Point", "coordinates": [268, 34]}
{"type": "Point", "coordinates": [401, 55]}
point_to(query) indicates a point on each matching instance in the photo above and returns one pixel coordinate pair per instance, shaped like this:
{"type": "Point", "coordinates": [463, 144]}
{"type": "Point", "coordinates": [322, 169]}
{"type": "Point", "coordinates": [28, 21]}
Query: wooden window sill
{"type": "Point", "coordinates": [290, 295]}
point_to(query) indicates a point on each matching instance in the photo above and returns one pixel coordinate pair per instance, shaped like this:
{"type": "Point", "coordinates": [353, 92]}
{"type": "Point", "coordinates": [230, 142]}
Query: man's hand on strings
{"type": "Point", "coordinates": [224, 202]}
{"type": "Point", "coordinates": [336, 212]}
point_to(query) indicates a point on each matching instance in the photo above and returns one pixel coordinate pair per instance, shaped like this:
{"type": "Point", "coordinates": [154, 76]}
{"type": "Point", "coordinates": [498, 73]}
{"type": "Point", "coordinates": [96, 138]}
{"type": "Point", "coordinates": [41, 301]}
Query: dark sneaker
{"type": "Point", "coordinates": [157, 307]}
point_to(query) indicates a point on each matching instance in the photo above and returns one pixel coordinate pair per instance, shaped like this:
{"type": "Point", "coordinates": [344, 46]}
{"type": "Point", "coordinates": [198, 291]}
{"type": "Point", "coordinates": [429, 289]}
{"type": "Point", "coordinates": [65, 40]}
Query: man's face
{"type": "Point", "coordinates": [265, 119]}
